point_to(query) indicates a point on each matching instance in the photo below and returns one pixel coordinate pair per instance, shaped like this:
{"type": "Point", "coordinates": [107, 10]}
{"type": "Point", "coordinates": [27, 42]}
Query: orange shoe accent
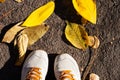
{"type": "Point", "coordinates": [34, 74]}
{"type": "Point", "coordinates": [65, 74]}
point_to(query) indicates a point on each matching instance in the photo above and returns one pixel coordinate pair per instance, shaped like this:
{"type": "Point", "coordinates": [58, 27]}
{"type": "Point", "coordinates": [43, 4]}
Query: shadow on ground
{"type": "Point", "coordinates": [65, 10]}
{"type": "Point", "coordinates": [12, 72]}
{"type": "Point", "coordinates": [8, 69]}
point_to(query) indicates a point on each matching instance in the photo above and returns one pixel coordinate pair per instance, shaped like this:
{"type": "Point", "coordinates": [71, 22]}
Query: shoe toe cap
{"type": "Point", "coordinates": [37, 58]}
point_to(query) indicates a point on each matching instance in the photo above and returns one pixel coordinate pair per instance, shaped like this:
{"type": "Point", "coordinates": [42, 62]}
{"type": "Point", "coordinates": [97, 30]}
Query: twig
{"type": "Point", "coordinates": [92, 59]}
{"type": "Point", "coordinates": [87, 69]}
{"type": "Point", "coordinates": [6, 13]}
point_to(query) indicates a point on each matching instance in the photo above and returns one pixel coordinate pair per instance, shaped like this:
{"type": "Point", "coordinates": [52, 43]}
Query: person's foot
{"type": "Point", "coordinates": [66, 68]}
{"type": "Point", "coordinates": [35, 66]}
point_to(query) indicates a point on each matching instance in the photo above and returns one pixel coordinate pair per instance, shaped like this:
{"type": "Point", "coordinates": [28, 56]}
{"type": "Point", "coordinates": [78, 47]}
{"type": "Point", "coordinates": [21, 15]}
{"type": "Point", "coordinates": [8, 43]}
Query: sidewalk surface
{"type": "Point", "coordinates": [107, 29]}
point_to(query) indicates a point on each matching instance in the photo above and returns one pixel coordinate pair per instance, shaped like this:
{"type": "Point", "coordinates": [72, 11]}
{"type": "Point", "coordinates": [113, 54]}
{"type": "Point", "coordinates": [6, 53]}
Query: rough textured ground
{"type": "Point", "coordinates": [107, 29]}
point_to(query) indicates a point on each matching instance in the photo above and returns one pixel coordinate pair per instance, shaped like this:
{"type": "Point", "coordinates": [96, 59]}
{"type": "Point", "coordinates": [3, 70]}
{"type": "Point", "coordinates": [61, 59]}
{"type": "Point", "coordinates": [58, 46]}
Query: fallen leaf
{"type": "Point", "coordinates": [22, 44]}
{"type": "Point", "coordinates": [27, 37]}
{"type": "Point", "coordinates": [35, 33]}
{"type": "Point", "coordinates": [77, 35]}
{"type": "Point", "coordinates": [2, 1]}
{"type": "Point", "coordinates": [18, 1]}
{"type": "Point", "coordinates": [86, 8]}
{"type": "Point", "coordinates": [38, 16]}
{"type": "Point", "coordinates": [94, 77]}
{"type": "Point", "coordinates": [93, 42]}
{"type": "Point", "coordinates": [11, 33]}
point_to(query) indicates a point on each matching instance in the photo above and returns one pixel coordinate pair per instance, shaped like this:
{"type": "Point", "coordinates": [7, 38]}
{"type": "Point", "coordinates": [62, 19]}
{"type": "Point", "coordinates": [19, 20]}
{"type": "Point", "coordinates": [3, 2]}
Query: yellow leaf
{"type": "Point", "coordinates": [38, 16]}
{"type": "Point", "coordinates": [11, 33]}
{"type": "Point", "coordinates": [34, 33]}
{"type": "Point", "coordinates": [86, 8]}
{"type": "Point", "coordinates": [77, 35]}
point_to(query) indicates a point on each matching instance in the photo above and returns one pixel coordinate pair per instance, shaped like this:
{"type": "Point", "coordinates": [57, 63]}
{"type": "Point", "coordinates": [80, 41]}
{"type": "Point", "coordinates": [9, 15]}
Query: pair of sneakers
{"type": "Point", "coordinates": [36, 66]}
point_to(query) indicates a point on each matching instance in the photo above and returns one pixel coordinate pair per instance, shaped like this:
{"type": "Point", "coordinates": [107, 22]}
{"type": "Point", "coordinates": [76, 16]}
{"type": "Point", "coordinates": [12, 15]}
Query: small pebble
{"type": "Point", "coordinates": [81, 69]}
{"type": "Point", "coordinates": [111, 42]}
{"type": "Point", "coordinates": [18, 1]}
{"type": "Point", "coordinates": [113, 39]}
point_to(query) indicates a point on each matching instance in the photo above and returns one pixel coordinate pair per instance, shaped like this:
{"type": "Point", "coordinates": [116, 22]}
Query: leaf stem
{"type": "Point", "coordinates": [91, 61]}
{"type": "Point", "coordinates": [89, 66]}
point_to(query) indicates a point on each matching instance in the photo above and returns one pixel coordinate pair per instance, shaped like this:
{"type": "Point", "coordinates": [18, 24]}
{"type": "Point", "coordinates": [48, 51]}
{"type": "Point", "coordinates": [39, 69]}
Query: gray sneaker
{"type": "Point", "coordinates": [35, 66]}
{"type": "Point", "coordinates": [66, 68]}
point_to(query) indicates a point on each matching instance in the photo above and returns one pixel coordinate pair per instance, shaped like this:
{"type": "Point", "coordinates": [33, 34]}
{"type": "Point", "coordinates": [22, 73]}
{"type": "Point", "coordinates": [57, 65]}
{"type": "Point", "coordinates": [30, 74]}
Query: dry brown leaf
{"type": "Point", "coordinates": [35, 33]}
{"type": "Point", "coordinates": [27, 37]}
{"type": "Point", "coordinates": [11, 33]}
{"type": "Point", "coordinates": [94, 77]}
{"type": "Point", "coordinates": [21, 43]}
{"type": "Point", "coordinates": [93, 41]}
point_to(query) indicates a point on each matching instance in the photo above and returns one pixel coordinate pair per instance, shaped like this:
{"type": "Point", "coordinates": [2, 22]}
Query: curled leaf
{"type": "Point", "coordinates": [35, 33]}
{"type": "Point", "coordinates": [86, 8]}
{"type": "Point", "coordinates": [11, 33]}
{"type": "Point", "coordinates": [77, 35]}
{"type": "Point", "coordinates": [39, 15]}
{"type": "Point", "coordinates": [94, 77]}
{"type": "Point", "coordinates": [21, 42]}
{"type": "Point", "coordinates": [27, 37]}
{"type": "Point", "coordinates": [93, 41]}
